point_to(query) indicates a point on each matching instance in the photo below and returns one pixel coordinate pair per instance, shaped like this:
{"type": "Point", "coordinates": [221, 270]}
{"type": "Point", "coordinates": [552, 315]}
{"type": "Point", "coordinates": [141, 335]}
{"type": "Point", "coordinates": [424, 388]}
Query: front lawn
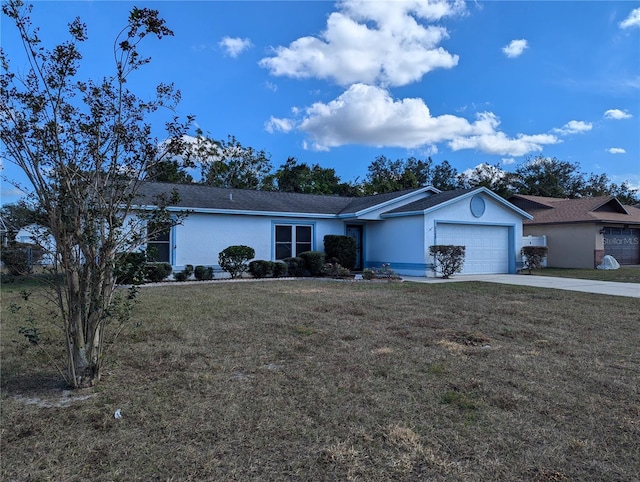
{"type": "Point", "coordinates": [323, 380]}
{"type": "Point", "coordinates": [625, 274]}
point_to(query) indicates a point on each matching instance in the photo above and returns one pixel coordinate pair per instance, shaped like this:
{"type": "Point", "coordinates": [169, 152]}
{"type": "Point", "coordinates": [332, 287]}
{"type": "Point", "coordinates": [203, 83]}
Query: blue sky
{"type": "Point", "coordinates": [337, 84]}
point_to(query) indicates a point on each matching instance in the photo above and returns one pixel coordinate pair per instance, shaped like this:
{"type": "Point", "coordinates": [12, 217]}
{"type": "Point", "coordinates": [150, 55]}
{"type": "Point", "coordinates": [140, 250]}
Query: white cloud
{"type": "Point", "coordinates": [616, 150]}
{"type": "Point", "coordinates": [633, 20]}
{"type": "Point", "coordinates": [384, 43]}
{"type": "Point", "coordinates": [282, 125]}
{"type": "Point", "coordinates": [368, 115]}
{"type": "Point", "coordinates": [508, 160]}
{"type": "Point", "coordinates": [271, 86]}
{"type": "Point", "coordinates": [498, 143]}
{"type": "Point", "coordinates": [574, 127]}
{"type": "Point", "coordinates": [515, 48]}
{"type": "Point", "coordinates": [617, 114]}
{"type": "Point", "coordinates": [235, 46]}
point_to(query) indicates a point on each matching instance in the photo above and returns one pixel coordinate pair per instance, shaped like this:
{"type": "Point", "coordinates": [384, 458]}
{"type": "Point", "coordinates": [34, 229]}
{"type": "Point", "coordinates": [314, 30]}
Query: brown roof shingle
{"type": "Point", "coordinates": [601, 209]}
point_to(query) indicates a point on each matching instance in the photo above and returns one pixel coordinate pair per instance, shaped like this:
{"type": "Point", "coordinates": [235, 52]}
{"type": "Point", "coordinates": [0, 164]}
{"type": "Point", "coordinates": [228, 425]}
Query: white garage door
{"type": "Point", "coordinates": [487, 247]}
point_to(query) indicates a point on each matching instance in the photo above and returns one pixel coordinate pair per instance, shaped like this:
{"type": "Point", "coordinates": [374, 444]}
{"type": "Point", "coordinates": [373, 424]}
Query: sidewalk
{"type": "Point", "coordinates": [588, 286]}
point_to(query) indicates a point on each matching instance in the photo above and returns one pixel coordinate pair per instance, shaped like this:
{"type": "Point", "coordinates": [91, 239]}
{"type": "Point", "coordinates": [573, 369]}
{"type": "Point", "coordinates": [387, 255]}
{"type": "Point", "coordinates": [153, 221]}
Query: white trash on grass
{"type": "Point", "coordinates": [609, 262]}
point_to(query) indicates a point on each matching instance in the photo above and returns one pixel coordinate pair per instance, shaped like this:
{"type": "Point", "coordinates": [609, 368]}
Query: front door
{"type": "Point", "coordinates": [355, 231]}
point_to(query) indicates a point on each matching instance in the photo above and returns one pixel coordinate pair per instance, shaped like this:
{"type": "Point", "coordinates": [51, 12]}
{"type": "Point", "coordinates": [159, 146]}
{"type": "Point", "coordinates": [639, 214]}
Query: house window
{"type": "Point", "coordinates": [159, 245]}
{"type": "Point", "coordinates": [291, 240]}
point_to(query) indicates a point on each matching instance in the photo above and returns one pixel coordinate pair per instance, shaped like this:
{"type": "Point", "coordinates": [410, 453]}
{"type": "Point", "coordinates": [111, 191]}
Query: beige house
{"type": "Point", "coordinates": [580, 232]}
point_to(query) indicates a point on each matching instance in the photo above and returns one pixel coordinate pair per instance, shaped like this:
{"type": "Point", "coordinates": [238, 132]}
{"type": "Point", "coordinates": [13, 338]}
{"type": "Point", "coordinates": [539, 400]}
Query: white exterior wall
{"type": "Point", "coordinates": [202, 236]}
{"type": "Point", "coordinates": [329, 226]}
{"type": "Point", "coordinates": [34, 234]}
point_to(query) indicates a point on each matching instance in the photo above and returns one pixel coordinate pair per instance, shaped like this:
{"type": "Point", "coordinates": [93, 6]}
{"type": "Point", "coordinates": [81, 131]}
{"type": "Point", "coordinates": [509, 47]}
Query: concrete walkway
{"type": "Point", "coordinates": [570, 284]}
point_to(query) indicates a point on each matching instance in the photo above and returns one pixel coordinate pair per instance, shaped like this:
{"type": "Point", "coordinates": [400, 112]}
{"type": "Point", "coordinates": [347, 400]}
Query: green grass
{"type": "Point", "coordinates": [315, 380]}
{"type": "Point", "coordinates": [626, 274]}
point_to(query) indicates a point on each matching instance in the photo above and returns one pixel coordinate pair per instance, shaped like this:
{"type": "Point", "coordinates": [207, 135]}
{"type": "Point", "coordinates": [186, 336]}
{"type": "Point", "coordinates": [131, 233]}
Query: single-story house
{"type": "Point", "coordinates": [580, 232]}
{"type": "Point", "coordinates": [4, 232]}
{"type": "Point", "coordinates": [395, 228]}
{"type": "Point", "coordinates": [36, 234]}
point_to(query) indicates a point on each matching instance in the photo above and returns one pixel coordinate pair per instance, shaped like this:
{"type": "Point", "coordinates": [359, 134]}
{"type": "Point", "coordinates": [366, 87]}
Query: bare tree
{"type": "Point", "coordinates": [85, 149]}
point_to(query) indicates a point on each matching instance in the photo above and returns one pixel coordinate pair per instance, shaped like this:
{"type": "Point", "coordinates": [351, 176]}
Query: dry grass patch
{"type": "Point", "coordinates": [308, 380]}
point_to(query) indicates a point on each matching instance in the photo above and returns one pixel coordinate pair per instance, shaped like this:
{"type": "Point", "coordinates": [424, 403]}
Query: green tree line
{"type": "Point", "coordinates": [226, 163]}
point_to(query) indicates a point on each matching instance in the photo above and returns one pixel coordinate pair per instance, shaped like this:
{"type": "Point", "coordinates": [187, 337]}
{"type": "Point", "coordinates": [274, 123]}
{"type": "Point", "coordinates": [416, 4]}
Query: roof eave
{"type": "Point", "coordinates": [362, 212]}
{"type": "Point", "coordinates": [473, 192]}
{"type": "Point", "coordinates": [249, 212]}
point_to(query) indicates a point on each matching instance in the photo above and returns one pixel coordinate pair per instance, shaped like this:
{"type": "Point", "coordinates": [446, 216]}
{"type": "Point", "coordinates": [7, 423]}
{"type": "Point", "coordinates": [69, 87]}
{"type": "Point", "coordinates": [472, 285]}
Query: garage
{"type": "Point", "coordinates": [623, 244]}
{"type": "Point", "coordinates": [486, 246]}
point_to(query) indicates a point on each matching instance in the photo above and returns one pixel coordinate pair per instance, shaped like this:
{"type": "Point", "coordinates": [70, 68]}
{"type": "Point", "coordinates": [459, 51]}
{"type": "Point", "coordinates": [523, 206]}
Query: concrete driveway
{"type": "Point", "coordinates": [588, 286]}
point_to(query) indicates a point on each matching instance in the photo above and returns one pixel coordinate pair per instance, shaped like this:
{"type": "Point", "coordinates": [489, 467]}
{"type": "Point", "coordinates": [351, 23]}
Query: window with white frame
{"type": "Point", "coordinates": [292, 239]}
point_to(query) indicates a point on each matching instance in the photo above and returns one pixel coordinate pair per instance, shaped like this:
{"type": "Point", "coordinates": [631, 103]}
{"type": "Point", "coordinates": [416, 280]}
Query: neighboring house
{"type": "Point", "coordinates": [4, 232]}
{"type": "Point", "coordinates": [580, 232]}
{"type": "Point", "coordinates": [36, 234]}
{"type": "Point", "coordinates": [395, 228]}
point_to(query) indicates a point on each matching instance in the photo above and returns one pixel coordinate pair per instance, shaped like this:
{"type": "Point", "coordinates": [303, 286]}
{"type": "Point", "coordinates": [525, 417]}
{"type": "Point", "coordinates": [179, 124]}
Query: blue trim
{"type": "Point", "coordinates": [399, 266]}
{"type": "Point", "coordinates": [172, 245]}
{"type": "Point", "coordinates": [275, 223]}
{"type": "Point", "coordinates": [512, 249]}
{"type": "Point", "coordinates": [472, 223]}
{"type": "Point", "coordinates": [402, 215]}
{"type": "Point", "coordinates": [238, 212]}
{"type": "Point", "coordinates": [363, 246]}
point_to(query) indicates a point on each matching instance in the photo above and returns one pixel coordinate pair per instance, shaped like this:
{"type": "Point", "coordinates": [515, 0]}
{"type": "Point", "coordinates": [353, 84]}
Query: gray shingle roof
{"type": "Point", "coordinates": [200, 197]}
{"type": "Point", "coordinates": [361, 203]}
{"type": "Point", "coordinates": [431, 201]}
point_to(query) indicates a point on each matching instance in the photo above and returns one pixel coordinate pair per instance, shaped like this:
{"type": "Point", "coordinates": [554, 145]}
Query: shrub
{"type": "Point", "coordinates": [313, 262]}
{"type": "Point", "coordinates": [234, 259]}
{"type": "Point", "coordinates": [261, 269]}
{"type": "Point", "coordinates": [156, 272]}
{"type": "Point", "coordinates": [203, 273]}
{"type": "Point", "coordinates": [129, 267]}
{"type": "Point", "coordinates": [19, 258]}
{"type": "Point", "coordinates": [368, 274]}
{"type": "Point", "coordinates": [185, 274]}
{"type": "Point", "coordinates": [280, 269]}
{"type": "Point", "coordinates": [343, 248]}
{"type": "Point", "coordinates": [334, 270]}
{"type": "Point", "coordinates": [383, 272]}
{"type": "Point", "coordinates": [448, 259]}
{"type": "Point", "coordinates": [533, 256]}
{"type": "Point", "coordinates": [296, 266]}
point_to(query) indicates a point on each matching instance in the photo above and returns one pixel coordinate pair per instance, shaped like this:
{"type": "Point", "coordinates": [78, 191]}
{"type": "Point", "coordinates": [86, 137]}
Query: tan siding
{"type": "Point", "coordinates": [570, 245]}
